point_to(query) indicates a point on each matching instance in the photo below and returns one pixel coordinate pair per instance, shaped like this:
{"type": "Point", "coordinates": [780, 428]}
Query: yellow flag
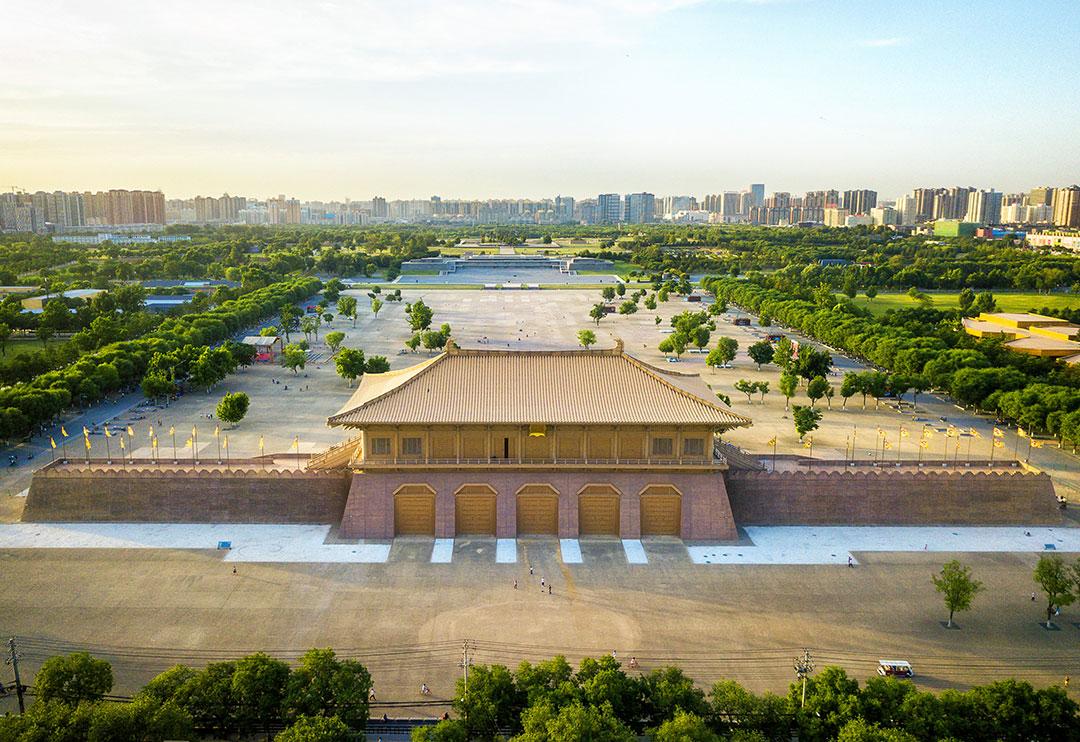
{"type": "Point", "coordinates": [924, 444]}
{"type": "Point", "coordinates": [999, 444]}
{"type": "Point", "coordinates": [951, 431]}
{"type": "Point", "coordinates": [121, 444]}
{"type": "Point", "coordinates": [194, 432]}
{"type": "Point", "coordinates": [1021, 432]}
{"type": "Point", "coordinates": [85, 432]}
{"type": "Point", "coordinates": [107, 433]}
{"type": "Point", "coordinates": [927, 432]}
{"type": "Point", "coordinates": [150, 433]}
{"type": "Point", "coordinates": [52, 442]}
{"type": "Point", "coordinates": [130, 432]}
{"type": "Point", "coordinates": [225, 441]}
{"type": "Point", "coordinates": [217, 431]}
{"type": "Point", "coordinates": [296, 442]}
{"type": "Point", "coordinates": [1034, 443]}
{"type": "Point", "coordinates": [172, 430]}
{"type": "Point", "coordinates": [772, 441]}
{"type": "Point", "coordinates": [262, 446]}
{"type": "Point", "coordinates": [888, 445]}
{"type": "Point", "coordinates": [87, 442]}
{"type": "Point", "coordinates": [153, 441]}
{"type": "Point", "coordinates": [63, 432]}
{"type": "Point", "coordinates": [187, 443]}
{"type": "Point", "coordinates": [974, 433]}
{"type": "Point", "coordinates": [809, 442]}
{"type": "Point", "coordinates": [903, 432]}
{"type": "Point", "coordinates": [999, 433]}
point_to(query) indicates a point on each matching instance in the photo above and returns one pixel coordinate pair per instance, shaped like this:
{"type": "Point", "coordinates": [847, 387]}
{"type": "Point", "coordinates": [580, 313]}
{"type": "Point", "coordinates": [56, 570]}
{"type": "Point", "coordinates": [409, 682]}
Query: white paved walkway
{"type": "Point", "coordinates": [635, 552]}
{"type": "Point", "coordinates": [833, 545]}
{"type": "Point", "coordinates": [506, 551]}
{"type": "Point", "coordinates": [247, 542]}
{"type": "Point", "coordinates": [443, 551]}
{"type": "Point", "coordinates": [570, 548]}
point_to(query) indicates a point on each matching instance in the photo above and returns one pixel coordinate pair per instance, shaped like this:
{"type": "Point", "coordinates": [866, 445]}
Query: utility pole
{"type": "Point", "coordinates": [13, 660]}
{"type": "Point", "coordinates": [804, 665]}
{"type": "Point", "coordinates": [465, 662]}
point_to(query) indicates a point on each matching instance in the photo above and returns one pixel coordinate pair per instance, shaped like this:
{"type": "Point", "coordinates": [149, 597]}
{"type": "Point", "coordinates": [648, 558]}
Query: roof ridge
{"type": "Point", "coordinates": [658, 374]}
{"type": "Point", "coordinates": [427, 365]}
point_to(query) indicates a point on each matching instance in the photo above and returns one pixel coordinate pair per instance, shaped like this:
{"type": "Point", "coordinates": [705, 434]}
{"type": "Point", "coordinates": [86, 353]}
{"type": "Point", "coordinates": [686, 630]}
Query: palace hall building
{"type": "Point", "coordinates": [506, 443]}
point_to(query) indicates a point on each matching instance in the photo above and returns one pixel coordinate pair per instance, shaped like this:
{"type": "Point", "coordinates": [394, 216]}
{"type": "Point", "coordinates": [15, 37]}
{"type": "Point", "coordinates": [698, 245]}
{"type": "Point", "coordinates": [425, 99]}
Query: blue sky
{"type": "Point", "coordinates": [411, 98]}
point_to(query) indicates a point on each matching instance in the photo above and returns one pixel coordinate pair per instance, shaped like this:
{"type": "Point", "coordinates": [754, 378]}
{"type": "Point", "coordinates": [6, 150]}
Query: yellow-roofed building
{"type": "Point", "coordinates": [558, 442]}
{"type": "Point", "coordinates": [1033, 334]}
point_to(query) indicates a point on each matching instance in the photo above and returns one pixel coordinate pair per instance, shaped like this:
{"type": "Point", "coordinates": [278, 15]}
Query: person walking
{"type": "Point", "coordinates": [515, 584]}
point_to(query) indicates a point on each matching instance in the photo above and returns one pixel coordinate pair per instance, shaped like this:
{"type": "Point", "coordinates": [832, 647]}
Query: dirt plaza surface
{"type": "Point", "coordinates": [407, 616]}
{"type": "Point", "coordinates": [146, 610]}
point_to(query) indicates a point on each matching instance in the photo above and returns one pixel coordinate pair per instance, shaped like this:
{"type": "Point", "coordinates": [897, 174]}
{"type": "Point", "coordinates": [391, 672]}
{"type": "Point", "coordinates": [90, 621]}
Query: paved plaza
{"type": "Point", "coordinates": [782, 545]}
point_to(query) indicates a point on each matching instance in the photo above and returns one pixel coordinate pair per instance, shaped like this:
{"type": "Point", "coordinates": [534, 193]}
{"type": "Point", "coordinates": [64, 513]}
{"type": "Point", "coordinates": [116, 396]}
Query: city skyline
{"type": "Point", "coordinates": [496, 101]}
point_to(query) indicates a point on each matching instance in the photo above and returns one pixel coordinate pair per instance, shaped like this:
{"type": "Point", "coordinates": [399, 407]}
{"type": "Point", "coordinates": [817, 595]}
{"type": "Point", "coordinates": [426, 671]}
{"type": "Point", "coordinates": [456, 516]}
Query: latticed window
{"type": "Point", "coordinates": [661, 447]}
{"type": "Point", "coordinates": [380, 446]}
{"type": "Point", "coordinates": [412, 446]}
{"type": "Point", "coordinates": [693, 446]}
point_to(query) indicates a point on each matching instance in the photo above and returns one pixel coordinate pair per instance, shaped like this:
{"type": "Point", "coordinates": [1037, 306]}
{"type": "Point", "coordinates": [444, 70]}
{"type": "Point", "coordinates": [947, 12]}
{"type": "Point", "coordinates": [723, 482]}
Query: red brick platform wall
{"type": "Point", "coordinates": [892, 498]}
{"type": "Point", "coordinates": [706, 513]}
{"type": "Point", "coordinates": [198, 495]}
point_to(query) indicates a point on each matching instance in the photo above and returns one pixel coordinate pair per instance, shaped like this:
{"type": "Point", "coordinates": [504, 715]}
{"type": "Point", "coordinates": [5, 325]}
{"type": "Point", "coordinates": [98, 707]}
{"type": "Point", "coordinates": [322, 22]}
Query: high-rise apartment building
{"type": "Point", "coordinates": [859, 201]}
{"type": "Point", "coordinates": [564, 209]}
{"type": "Point", "coordinates": [983, 207]}
{"type": "Point", "coordinates": [1041, 196]}
{"type": "Point", "coordinates": [1066, 205]}
{"type": "Point", "coordinates": [757, 194]}
{"type": "Point", "coordinates": [609, 208]}
{"type": "Point", "coordinates": [640, 208]}
{"type": "Point", "coordinates": [925, 199]}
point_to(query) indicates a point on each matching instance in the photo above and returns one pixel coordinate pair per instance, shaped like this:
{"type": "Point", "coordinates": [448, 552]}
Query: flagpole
{"type": "Point", "coordinates": [227, 463]}
{"type": "Point", "coordinates": [172, 431]}
{"type": "Point", "coordinates": [108, 453]}
{"type": "Point", "coordinates": [63, 443]}
{"type": "Point", "coordinates": [774, 453]}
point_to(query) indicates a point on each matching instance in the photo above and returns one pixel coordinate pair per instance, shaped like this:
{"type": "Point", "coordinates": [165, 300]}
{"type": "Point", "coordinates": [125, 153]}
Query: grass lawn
{"type": "Point", "coordinates": [27, 345]}
{"type": "Point", "coordinates": [621, 268]}
{"type": "Point", "coordinates": [1007, 302]}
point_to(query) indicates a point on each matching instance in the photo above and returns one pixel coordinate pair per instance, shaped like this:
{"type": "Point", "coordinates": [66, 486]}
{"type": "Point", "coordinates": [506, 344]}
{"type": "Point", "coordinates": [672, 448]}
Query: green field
{"type": "Point", "coordinates": [19, 346]}
{"type": "Point", "coordinates": [1007, 302]}
{"type": "Point", "coordinates": [621, 268]}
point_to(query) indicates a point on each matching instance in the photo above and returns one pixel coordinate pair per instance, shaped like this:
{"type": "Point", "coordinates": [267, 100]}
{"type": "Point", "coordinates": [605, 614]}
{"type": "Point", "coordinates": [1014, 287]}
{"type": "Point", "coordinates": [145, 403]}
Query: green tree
{"type": "Point", "coordinates": [232, 407]}
{"type": "Point", "coordinates": [966, 300]}
{"type": "Point", "coordinates": [723, 353]}
{"type": "Point", "coordinates": [783, 353]}
{"type": "Point", "coordinates": [673, 343]}
{"type": "Point", "coordinates": [850, 386]}
{"type": "Point", "coordinates": [789, 383]}
{"type": "Point", "coordinates": [762, 388]}
{"type": "Point", "coordinates": [294, 357]}
{"type": "Point", "coordinates": [376, 365]}
{"type": "Point", "coordinates": [5, 335]}
{"type": "Point", "coordinates": [73, 678]}
{"type": "Point", "coordinates": [376, 305]}
{"type": "Point", "coordinates": [447, 730]}
{"type": "Point", "coordinates": [350, 364]}
{"type": "Point", "coordinates": [258, 685]}
{"type": "Point", "coordinates": [747, 387]}
{"type": "Point", "coordinates": [575, 721]}
{"type": "Point", "coordinates": [157, 386]}
{"type": "Point", "coordinates": [666, 691]}
{"type": "Point", "coordinates": [620, 288]}
{"type": "Point", "coordinates": [608, 293]}
{"type": "Point", "coordinates": [490, 702]}
{"type": "Point", "coordinates": [860, 730]}
{"type": "Point", "coordinates": [332, 290]}
{"type": "Point", "coordinates": [761, 352]}
{"type": "Point", "coordinates": [685, 727]}
{"type": "Point", "coordinates": [290, 320]}
{"type": "Point", "coordinates": [832, 700]}
{"type": "Point", "coordinates": [334, 340]}
{"type": "Point", "coordinates": [597, 313]}
{"type": "Point", "coordinates": [419, 315]}
{"type": "Point", "coordinates": [586, 338]}
{"type": "Point", "coordinates": [957, 586]}
{"type": "Point", "coordinates": [315, 729]}
{"type": "Point", "coordinates": [346, 307]}
{"type": "Point", "coordinates": [323, 685]}
{"type": "Point", "coordinates": [816, 389]}
{"type": "Point", "coordinates": [1056, 582]}
{"type": "Point", "coordinates": [628, 307]}
{"type": "Point", "coordinates": [871, 292]}
{"type": "Point", "coordinates": [806, 419]}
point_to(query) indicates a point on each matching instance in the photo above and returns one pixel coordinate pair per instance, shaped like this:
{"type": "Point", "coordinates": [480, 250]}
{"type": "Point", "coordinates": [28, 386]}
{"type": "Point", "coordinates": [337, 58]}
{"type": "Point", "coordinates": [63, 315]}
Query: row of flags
{"type": "Point", "coordinates": [928, 432]}
{"type": "Point", "coordinates": [189, 443]}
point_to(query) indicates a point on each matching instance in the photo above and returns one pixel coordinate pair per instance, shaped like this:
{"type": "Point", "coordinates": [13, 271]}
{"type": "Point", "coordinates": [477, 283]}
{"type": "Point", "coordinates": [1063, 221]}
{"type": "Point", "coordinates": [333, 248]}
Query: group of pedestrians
{"type": "Point", "coordinates": [544, 584]}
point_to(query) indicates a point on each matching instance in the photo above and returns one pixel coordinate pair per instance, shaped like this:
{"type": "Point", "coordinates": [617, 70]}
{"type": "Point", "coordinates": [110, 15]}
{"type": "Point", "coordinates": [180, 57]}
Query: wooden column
{"type": "Point", "coordinates": [457, 443]}
{"type": "Point", "coordinates": [585, 443]}
{"type": "Point", "coordinates": [554, 444]}
{"type": "Point", "coordinates": [487, 442]}
{"type": "Point", "coordinates": [521, 445]}
{"type": "Point", "coordinates": [615, 442]}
